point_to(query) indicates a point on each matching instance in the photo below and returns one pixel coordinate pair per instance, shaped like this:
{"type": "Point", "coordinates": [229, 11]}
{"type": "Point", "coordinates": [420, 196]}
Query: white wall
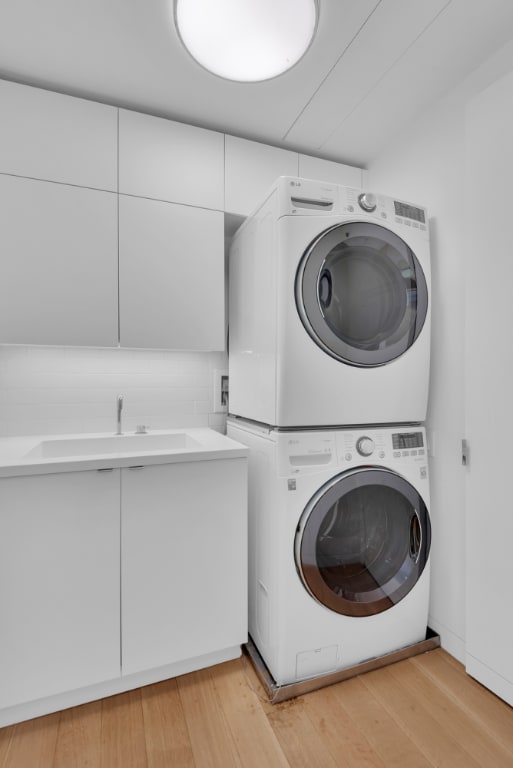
{"type": "Point", "coordinates": [54, 390]}
{"type": "Point", "coordinates": [426, 165]}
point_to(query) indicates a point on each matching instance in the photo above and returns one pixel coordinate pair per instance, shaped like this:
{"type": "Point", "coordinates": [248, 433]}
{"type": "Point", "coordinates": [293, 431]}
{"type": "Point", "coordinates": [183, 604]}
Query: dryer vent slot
{"type": "Point", "coordinates": [305, 202]}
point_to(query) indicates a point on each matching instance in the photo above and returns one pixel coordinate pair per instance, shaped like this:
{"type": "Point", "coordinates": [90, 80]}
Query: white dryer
{"type": "Point", "coordinates": [339, 541]}
{"type": "Point", "coordinates": [329, 308]}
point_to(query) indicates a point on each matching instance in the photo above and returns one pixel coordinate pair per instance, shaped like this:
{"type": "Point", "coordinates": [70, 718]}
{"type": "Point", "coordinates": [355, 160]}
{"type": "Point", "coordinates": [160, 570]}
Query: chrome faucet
{"type": "Point", "coordinates": [120, 408]}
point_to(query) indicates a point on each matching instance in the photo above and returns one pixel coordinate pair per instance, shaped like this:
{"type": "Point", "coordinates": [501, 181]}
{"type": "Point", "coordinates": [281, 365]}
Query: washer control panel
{"type": "Point", "coordinates": [311, 452]}
{"type": "Point", "coordinates": [380, 444]}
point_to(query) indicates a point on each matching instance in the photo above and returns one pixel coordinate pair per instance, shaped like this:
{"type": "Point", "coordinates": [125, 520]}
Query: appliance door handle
{"type": "Point", "coordinates": [325, 288]}
{"type": "Point", "coordinates": [415, 536]}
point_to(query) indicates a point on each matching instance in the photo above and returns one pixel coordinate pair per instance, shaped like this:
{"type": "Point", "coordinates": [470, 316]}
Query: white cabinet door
{"type": "Point", "coordinates": [171, 275]}
{"type": "Point", "coordinates": [54, 137]}
{"type": "Point", "coordinates": [59, 583]}
{"type": "Point", "coordinates": [488, 378]}
{"type": "Point", "coordinates": [250, 169]}
{"type": "Point", "coordinates": [184, 563]}
{"type": "Point", "coordinates": [170, 161]}
{"type": "Point", "coordinates": [326, 170]}
{"type": "Point", "coordinates": [59, 264]}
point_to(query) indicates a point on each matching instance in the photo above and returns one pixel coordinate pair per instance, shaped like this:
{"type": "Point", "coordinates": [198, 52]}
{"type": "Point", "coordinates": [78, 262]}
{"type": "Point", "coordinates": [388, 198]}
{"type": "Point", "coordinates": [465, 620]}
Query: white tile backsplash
{"type": "Point", "coordinates": [55, 390]}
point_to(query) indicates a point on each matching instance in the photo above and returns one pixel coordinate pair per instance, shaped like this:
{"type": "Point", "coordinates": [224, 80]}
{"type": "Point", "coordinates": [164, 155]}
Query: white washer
{"type": "Point", "coordinates": [339, 540]}
{"type": "Point", "coordinates": [329, 308]}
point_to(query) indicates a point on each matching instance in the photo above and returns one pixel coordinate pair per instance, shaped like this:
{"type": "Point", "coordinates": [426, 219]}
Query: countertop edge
{"type": "Point", "coordinates": [17, 458]}
{"type": "Point", "coordinates": [116, 462]}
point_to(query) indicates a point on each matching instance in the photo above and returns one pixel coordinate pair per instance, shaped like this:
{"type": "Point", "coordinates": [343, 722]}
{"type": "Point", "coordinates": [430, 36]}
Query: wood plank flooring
{"type": "Point", "coordinates": [424, 712]}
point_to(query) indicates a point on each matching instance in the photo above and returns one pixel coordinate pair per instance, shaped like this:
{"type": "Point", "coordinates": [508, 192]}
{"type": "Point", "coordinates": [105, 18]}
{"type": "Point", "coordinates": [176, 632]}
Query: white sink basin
{"type": "Point", "coordinates": [113, 444]}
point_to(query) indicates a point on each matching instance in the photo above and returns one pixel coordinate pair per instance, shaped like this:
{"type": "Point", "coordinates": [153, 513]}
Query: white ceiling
{"type": "Point", "coordinates": [374, 65]}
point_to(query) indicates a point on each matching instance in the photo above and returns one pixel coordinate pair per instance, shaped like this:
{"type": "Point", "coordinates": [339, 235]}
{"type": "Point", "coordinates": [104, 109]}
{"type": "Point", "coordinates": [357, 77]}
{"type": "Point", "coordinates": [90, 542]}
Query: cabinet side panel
{"type": "Point", "coordinates": [253, 316]}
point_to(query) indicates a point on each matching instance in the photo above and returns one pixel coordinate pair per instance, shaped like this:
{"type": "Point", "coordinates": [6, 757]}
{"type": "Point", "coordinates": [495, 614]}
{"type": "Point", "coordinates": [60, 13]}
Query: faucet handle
{"type": "Point", "coordinates": [141, 429]}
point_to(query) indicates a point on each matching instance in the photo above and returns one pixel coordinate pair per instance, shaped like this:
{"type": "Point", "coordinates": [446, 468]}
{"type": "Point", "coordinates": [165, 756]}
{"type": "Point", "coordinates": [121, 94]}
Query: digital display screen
{"type": "Point", "coordinates": [407, 440]}
{"type": "Point", "coordinates": [409, 212]}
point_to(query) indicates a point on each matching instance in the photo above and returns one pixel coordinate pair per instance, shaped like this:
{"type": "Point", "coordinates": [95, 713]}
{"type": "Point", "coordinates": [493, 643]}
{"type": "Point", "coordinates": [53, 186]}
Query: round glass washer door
{"type": "Point", "coordinates": [363, 541]}
{"type": "Point", "coordinates": [361, 294]}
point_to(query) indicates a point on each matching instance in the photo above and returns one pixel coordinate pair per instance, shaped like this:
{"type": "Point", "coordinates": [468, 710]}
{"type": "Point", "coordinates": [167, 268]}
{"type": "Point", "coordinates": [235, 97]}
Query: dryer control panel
{"type": "Point", "coordinates": [307, 197]}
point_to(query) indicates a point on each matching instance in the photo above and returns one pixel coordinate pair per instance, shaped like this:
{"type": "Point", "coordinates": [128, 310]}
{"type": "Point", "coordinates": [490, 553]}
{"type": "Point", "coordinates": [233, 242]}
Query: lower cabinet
{"type": "Point", "coordinates": [179, 532]}
{"type": "Point", "coordinates": [59, 583]}
{"type": "Point", "coordinates": [184, 561]}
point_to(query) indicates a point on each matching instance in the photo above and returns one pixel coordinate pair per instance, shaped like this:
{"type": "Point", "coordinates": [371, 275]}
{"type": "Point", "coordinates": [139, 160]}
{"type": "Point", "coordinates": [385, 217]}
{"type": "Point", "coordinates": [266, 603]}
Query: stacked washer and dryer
{"type": "Point", "coordinates": [329, 372]}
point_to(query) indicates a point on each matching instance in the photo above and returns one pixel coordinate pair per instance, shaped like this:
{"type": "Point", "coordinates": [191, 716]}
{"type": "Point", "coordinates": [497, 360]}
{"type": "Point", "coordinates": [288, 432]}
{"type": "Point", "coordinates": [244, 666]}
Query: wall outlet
{"type": "Point", "coordinates": [220, 392]}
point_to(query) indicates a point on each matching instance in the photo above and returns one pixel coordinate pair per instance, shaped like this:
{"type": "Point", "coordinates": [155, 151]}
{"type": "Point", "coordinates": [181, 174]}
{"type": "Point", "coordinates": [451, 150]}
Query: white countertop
{"type": "Point", "coordinates": [26, 455]}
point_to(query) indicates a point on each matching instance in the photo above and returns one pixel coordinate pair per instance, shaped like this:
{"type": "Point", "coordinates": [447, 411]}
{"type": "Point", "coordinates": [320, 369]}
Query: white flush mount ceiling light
{"type": "Point", "coordinates": [246, 40]}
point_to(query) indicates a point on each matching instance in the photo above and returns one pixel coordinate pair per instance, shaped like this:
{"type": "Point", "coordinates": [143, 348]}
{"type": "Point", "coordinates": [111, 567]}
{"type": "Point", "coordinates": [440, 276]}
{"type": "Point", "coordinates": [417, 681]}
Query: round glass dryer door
{"type": "Point", "coordinates": [361, 294]}
{"type": "Point", "coordinates": [363, 541]}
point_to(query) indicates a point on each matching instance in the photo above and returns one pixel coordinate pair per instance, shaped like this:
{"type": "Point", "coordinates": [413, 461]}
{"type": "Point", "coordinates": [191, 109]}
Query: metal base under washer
{"type": "Point", "coordinates": [277, 693]}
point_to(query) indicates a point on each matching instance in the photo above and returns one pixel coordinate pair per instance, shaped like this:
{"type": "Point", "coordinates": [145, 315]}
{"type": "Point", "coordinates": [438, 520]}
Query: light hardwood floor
{"type": "Point", "coordinates": [418, 713]}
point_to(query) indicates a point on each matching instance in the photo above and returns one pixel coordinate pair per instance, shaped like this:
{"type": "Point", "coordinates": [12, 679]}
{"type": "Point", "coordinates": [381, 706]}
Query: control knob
{"type": "Point", "coordinates": [365, 446]}
{"type": "Point", "coordinates": [367, 201]}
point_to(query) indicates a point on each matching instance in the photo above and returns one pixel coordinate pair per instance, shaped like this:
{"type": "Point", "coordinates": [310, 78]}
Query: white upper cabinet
{"type": "Point", "coordinates": [327, 170]}
{"type": "Point", "coordinates": [59, 264]}
{"type": "Point", "coordinates": [65, 163]}
{"type": "Point", "coordinates": [46, 135]}
{"type": "Point", "coordinates": [250, 169]}
{"type": "Point", "coordinates": [170, 161]}
{"type": "Point", "coordinates": [171, 275]}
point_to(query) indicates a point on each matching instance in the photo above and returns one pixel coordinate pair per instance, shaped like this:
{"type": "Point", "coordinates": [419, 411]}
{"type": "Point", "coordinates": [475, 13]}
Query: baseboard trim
{"type": "Point", "coordinates": [57, 702]}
